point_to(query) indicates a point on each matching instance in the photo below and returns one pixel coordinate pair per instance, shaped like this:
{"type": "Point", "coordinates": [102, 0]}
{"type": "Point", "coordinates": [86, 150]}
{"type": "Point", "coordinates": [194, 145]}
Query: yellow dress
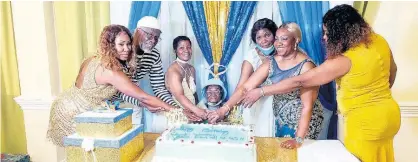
{"type": "Point", "coordinates": [74, 101]}
{"type": "Point", "coordinates": [371, 115]}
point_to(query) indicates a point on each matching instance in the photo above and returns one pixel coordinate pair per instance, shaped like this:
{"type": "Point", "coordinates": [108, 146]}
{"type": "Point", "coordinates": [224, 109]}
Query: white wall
{"type": "Point", "coordinates": [398, 23]}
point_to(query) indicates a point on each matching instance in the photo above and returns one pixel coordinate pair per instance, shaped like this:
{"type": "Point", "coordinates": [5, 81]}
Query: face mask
{"type": "Point", "coordinates": [266, 51]}
{"type": "Point", "coordinates": [214, 104]}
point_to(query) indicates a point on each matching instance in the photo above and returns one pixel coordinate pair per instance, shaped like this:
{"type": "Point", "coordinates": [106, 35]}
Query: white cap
{"type": "Point", "coordinates": [149, 22]}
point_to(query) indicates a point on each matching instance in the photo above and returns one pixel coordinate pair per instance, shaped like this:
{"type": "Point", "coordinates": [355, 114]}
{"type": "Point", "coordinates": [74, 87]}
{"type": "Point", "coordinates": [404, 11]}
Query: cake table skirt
{"type": "Point", "coordinates": [268, 149]}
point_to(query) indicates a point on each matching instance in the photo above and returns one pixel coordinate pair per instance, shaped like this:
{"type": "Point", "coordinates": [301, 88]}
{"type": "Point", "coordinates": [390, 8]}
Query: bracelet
{"type": "Point", "coordinates": [299, 140]}
{"type": "Point", "coordinates": [262, 91]}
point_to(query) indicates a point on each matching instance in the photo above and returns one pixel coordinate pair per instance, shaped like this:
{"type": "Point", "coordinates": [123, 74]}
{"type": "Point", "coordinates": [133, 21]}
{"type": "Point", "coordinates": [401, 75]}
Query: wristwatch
{"type": "Point", "coordinates": [299, 140]}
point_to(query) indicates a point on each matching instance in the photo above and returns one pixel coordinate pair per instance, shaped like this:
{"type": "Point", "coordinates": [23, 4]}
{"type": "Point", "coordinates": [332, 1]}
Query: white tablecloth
{"type": "Point", "coordinates": [324, 151]}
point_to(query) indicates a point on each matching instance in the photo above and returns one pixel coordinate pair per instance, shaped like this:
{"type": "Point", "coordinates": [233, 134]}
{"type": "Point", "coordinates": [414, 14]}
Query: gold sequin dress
{"type": "Point", "coordinates": [74, 101]}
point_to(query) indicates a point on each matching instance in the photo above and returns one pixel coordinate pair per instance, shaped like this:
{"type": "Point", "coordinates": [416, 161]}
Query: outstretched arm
{"type": "Point", "coordinates": [246, 71]}
{"type": "Point", "coordinates": [157, 81]}
{"type": "Point", "coordinates": [124, 85]}
{"type": "Point", "coordinates": [255, 80]}
{"type": "Point", "coordinates": [325, 73]}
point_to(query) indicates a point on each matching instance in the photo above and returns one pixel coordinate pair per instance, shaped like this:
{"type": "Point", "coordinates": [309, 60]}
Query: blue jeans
{"type": "Point", "coordinates": [323, 135]}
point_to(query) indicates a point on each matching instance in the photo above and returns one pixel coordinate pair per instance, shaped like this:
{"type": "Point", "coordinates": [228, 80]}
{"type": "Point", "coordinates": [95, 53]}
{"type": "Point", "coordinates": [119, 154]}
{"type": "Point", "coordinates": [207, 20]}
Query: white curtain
{"type": "Point", "coordinates": [119, 12]}
{"type": "Point", "coordinates": [332, 4]}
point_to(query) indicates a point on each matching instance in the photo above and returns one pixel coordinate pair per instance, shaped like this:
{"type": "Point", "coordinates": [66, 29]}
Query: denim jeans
{"type": "Point", "coordinates": [323, 135]}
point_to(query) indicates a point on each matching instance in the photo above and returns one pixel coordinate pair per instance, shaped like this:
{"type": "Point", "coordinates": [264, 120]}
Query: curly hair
{"type": "Point", "coordinates": [263, 23]}
{"type": "Point", "coordinates": [346, 29]}
{"type": "Point", "coordinates": [107, 51]}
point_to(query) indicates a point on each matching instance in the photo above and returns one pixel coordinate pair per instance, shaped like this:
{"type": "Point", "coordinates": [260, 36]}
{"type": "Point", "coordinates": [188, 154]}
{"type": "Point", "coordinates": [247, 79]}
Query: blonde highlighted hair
{"type": "Point", "coordinates": [294, 28]}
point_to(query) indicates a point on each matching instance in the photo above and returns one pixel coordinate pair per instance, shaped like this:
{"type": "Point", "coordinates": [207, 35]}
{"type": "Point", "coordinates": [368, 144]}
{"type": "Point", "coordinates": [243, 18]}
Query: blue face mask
{"type": "Point", "coordinates": [266, 51]}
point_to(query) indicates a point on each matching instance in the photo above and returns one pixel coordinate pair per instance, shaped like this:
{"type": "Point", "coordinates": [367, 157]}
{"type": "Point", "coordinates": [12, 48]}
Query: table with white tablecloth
{"type": "Point", "coordinates": [269, 150]}
{"type": "Point", "coordinates": [324, 151]}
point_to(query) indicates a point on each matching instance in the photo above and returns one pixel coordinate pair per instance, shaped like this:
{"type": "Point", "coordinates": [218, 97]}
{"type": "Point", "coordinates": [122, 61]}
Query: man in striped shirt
{"type": "Point", "coordinates": [146, 37]}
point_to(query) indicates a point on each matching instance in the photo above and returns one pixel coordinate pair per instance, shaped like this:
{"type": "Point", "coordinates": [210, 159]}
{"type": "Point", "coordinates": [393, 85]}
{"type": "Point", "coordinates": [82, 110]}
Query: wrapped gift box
{"type": "Point", "coordinates": [103, 124]}
{"type": "Point", "coordinates": [120, 149]}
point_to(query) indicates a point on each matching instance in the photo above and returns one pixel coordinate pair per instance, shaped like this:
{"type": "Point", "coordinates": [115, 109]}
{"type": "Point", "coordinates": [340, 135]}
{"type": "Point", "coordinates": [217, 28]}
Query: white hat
{"type": "Point", "coordinates": [149, 22]}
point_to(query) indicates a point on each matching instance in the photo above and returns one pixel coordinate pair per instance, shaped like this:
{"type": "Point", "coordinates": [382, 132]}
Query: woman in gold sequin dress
{"type": "Point", "coordinates": [99, 78]}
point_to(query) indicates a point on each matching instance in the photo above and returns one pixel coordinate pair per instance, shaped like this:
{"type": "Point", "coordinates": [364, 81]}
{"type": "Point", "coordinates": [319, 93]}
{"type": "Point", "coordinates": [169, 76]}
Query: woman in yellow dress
{"type": "Point", "coordinates": [362, 63]}
{"type": "Point", "coordinates": [99, 78]}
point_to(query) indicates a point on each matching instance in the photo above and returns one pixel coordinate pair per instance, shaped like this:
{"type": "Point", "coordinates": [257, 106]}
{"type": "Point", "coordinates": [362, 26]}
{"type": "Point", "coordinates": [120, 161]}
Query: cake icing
{"type": "Point", "coordinates": [205, 142]}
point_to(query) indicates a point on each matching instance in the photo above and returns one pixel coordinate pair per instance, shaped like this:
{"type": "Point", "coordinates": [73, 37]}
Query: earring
{"type": "Point", "coordinates": [296, 46]}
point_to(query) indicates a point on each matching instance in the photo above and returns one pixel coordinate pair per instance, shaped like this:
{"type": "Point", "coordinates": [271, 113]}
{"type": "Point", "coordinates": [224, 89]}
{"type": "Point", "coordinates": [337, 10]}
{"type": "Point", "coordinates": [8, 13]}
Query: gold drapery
{"type": "Point", "coordinates": [216, 13]}
{"type": "Point", "coordinates": [78, 27]}
{"type": "Point", "coordinates": [13, 137]}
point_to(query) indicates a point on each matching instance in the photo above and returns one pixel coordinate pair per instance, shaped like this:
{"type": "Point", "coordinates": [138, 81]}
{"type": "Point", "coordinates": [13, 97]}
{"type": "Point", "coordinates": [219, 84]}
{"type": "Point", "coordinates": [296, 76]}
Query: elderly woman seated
{"type": "Point", "coordinates": [214, 94]}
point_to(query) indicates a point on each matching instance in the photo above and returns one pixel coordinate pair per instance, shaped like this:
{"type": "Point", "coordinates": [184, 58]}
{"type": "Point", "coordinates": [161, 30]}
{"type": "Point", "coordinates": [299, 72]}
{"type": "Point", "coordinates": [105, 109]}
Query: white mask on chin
{"type": "Point", "coordinates": [214, 104]}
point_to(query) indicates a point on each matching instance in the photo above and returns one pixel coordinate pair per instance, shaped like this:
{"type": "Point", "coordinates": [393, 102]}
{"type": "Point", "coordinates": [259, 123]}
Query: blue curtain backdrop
{"type": "Point", "coordinates": [196, 13]}
{"type": "Point", "coordinates": [308, 15]}
{"type": "Point", "coordinates": [140, 9]}
{"type": "Point", "coordinates": [238, 18]}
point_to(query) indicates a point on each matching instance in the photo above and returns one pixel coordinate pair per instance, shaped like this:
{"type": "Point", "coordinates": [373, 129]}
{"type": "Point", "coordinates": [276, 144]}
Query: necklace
{"type": "Point", "coordinates": [286, 59]}
{"type": "Point", "coordinates": [181, 61]}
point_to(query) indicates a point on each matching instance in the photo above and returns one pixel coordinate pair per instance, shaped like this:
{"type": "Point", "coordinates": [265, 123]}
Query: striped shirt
{"type": "Point", "coordinates": [149, 63]}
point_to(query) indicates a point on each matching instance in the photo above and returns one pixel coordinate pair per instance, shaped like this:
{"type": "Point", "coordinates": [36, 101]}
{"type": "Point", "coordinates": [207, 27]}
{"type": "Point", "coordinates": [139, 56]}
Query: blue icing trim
{"type": "Point", "coordinates": [209, 133]}
{"type": "Point", "coordinates": [103, 117]}
{"type": "Point", "coordinates": [76, 140]}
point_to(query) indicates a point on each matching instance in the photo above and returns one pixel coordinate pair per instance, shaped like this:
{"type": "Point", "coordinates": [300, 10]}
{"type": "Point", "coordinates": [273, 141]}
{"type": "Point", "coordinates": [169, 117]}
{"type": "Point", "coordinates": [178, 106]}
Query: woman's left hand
{"type": "Point", "coordinates": [251, 97]}
{"type": "Point", "coordinates": [290, 144]}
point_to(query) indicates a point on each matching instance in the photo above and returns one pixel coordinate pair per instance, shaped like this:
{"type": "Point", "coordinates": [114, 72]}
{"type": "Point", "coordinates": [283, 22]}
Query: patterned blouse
{"type": "Point", "coordinates": [287, 108]}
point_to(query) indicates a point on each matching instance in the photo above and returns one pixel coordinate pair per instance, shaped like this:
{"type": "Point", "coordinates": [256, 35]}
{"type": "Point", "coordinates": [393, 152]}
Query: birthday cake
{"type": "Point", "coordinates": [105, 135]}
{"type": "Point", "coordinates": [206, 143]}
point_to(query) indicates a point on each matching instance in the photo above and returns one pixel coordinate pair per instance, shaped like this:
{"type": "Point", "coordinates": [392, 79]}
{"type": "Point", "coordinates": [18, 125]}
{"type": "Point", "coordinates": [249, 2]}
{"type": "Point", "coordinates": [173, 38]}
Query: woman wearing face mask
{"type": "Point", "coordinates": [298, 114]}
{"type": "Point", "coordinates": [180, 78]}
{"type": "Point", "coordinates": [100, 77]}
{"type": "Point", "coordinates": [363, 66]}
{"type": "Point", "coordinates": [261, 115]}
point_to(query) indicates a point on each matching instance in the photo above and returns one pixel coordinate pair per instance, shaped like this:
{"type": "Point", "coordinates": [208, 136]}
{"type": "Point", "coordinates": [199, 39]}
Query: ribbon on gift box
{"type": "Point", "coordinates": [107, 106]}
{"type": "Point", "coordinates": [88, 145]}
